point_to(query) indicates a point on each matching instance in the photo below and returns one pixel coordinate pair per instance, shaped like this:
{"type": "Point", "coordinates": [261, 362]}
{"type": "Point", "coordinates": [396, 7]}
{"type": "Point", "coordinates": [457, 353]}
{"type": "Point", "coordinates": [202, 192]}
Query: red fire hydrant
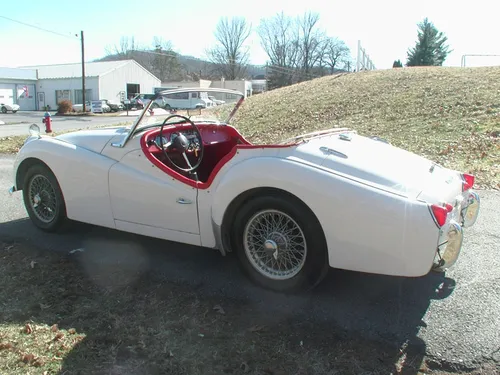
{"type": "Point", "coordinates": [47, 121]}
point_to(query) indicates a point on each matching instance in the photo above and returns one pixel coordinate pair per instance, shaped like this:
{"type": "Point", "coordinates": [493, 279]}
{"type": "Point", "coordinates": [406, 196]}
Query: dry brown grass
{"type": "Point", "coordinates": [450, 115]}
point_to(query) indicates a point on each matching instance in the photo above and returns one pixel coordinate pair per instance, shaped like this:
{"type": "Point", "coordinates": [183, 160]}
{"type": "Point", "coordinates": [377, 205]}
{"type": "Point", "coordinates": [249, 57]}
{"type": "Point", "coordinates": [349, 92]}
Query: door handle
{"type": "Point", "coordinates": [183, 201]}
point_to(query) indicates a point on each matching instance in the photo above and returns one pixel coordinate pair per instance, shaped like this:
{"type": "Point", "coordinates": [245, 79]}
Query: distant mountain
{"type": "Point", "coordinates": [189, 68]}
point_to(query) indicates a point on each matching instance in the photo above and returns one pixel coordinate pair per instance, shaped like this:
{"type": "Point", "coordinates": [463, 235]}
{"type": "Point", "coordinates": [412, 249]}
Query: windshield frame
{"type": "Point", "coordinates": [137, 121]}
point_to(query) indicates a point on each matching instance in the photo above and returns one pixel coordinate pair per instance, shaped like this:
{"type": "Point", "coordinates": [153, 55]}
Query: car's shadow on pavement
{"type": "Point", "coordinates": [145, 304]}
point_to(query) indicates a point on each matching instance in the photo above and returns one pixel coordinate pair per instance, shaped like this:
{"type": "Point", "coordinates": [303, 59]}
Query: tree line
{"type": "Point", "coordinates": [296, 48]}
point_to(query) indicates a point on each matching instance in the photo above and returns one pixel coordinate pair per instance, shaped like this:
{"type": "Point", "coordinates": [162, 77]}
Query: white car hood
{"type": "Point", "coordinates": [369, 161]}
{"type": "Point", "coordinates": [92, 139]}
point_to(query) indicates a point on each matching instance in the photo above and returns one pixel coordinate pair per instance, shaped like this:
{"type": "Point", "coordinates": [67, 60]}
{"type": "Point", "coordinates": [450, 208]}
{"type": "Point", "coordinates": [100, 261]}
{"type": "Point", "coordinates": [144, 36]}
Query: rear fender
{"type": "Point", "coordinates": [366, 229]}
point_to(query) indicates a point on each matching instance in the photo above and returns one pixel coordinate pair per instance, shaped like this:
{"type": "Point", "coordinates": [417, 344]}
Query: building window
{"type": "Point", "coordinates": [78, 96]}
{"type": "Point", "coordinates": [62, 95]}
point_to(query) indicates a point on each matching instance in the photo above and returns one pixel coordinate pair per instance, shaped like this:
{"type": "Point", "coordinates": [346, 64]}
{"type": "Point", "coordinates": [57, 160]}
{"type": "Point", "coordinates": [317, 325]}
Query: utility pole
{"type": "Point", "coordinates": [83, 72]}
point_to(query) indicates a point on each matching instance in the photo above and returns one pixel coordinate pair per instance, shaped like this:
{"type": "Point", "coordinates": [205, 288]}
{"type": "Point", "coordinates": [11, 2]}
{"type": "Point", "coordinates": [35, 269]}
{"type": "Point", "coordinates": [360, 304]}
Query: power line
{"type": "Point", "coordinates": [41, 28]}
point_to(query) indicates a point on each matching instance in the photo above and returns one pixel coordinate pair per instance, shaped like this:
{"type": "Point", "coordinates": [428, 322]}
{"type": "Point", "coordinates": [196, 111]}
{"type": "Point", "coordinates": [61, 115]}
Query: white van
{"type": "Point", "coordinates": [187, 100]}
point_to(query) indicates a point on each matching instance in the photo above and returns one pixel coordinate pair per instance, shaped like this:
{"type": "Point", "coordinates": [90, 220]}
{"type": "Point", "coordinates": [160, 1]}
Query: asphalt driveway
{"type": "Point", "coordinates": [18, 123]}
{"type": "Point", "coordinates": [453, 318]}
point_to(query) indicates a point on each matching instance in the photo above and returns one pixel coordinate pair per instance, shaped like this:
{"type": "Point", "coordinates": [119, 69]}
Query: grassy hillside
{"type": "Point", "coordinates": [451, 115]}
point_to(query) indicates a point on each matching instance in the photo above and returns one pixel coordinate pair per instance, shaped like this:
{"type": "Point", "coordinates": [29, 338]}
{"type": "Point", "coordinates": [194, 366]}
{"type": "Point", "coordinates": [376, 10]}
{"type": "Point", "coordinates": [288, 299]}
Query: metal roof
{"type": "Point", "coordinates": [19, 74]}
{"type": "Point", "coordinates": [92, 69]}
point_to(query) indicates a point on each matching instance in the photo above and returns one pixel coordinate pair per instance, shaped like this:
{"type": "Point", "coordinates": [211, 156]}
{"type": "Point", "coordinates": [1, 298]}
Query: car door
{"type": "Point", "coordinates": [144, 195]}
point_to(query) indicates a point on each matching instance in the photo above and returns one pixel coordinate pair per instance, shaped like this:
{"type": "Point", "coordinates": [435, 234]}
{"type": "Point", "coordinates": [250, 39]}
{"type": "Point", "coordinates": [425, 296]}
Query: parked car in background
{"type": "Point", "coordinates": [141, 100]}
{"type": "Point", "coordinates": [88, 106]}
{"type": "Point", "coordinates": [215, 100]}
{"type": "Point", "coordinates": [114, 105]}
{"type": "Point", "coordinates": [4, 107]}
{"type": "Point", "coordinates": [187, 100]}
{"type": "Point", "coordinates": [79, 107]}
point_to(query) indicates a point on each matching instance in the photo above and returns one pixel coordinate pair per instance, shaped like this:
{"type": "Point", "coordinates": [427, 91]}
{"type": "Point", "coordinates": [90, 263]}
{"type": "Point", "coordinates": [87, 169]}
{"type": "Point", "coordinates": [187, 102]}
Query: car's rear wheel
{"type": "Point", "coordinates": [43, 198]}
{"type": "Point", "coordinates": [280, 244]}
{"type": "Point", "coordinates": [14, 111]}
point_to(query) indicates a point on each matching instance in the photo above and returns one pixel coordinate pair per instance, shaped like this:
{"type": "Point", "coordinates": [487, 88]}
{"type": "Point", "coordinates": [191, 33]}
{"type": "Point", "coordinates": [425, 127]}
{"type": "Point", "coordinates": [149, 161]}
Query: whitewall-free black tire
{"type": "Point", "coordinates": [280, 244]}
{"type": "Point", "coordinates": [43, 198]}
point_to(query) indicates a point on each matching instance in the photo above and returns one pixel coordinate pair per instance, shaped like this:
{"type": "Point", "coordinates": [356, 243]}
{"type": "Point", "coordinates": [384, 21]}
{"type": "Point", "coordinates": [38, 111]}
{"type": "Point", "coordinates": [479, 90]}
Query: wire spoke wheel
{"type": "Point", "coordinates": [275, 244]}
{"type": "Point", "coordinates": [42, 198]}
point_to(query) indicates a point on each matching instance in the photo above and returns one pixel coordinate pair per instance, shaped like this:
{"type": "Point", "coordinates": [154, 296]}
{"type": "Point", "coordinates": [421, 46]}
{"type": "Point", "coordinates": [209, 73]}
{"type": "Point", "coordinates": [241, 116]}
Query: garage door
{"type": "Point", "coordinates": [6, 93]}
{"type": "Point", "coordinates": [26, 97]}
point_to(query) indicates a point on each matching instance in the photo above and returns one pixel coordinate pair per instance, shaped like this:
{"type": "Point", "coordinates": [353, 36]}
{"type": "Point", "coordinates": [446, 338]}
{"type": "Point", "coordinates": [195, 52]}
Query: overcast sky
{"type": "Point", "coordinates": [386, 28]}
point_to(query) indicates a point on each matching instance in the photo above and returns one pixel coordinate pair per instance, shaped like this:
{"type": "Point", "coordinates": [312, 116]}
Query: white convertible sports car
{"type": "Point", "coordinates": [9, 107]}
{"type": "Point", "coordinates": [289, 211]}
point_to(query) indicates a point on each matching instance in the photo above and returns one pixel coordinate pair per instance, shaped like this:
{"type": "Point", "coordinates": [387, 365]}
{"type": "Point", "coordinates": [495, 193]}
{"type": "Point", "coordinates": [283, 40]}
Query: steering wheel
{"type": "Point", "coordinates": [181, 143]}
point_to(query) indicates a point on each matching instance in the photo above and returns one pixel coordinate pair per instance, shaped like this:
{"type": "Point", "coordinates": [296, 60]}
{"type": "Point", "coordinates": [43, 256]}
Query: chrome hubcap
{"type": "Point", "coordinates": [275, 244]}
{"type": "Point", "coordinates": [42, 198]}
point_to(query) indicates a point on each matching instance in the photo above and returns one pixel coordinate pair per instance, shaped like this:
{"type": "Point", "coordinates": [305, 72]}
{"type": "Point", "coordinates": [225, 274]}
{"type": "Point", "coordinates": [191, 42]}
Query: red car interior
{"type": "Point", "coordinates": [220, 145]}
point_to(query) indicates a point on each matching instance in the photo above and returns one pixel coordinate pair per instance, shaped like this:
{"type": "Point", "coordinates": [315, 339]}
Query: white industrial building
{"type": "Point", "coordinates": [49, 84]}
{"type": "Point", "coordinates": [17, 86]}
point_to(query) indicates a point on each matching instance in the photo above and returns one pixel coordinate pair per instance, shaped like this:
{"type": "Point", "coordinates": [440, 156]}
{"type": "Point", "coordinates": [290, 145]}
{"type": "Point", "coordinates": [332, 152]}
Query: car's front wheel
{"type": "Point", "coordinates": [280, 244]}
{"type": "Point", "coordinates": [43, 198]}
{"type": "Point", "coordinates": [4, 110]}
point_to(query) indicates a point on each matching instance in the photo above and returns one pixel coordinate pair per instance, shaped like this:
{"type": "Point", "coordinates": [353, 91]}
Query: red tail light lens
{"type": "Point", "coordinates": [440, 214]}
{"type": "Point", "coordinates": [448, 207]}
{"type": "Point", "coordinates": [468, 181]}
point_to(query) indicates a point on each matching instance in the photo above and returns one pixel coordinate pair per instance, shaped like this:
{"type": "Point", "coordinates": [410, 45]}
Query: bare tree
{"type": "Point", "coordinates": [336, 52]}
{"type": "Point", "coordinates": [279, 37]}
{"type": "Point", "coordinates": [229, 55]}
{"type": "Point", "coordinates": [310, 41]}
{"type": "Point", "coordinates": [160, 60]}
{"type": "Point", "coordinates": [164, 63]}
{"type": "Point", "coordinates": [124, 50]}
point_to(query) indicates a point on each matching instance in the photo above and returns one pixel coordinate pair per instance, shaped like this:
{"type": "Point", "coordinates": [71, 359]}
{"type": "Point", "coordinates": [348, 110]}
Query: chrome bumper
{"type": "Point", "coordinates": [470, 210]}
{"type": "Point", "coordinates": [449, 249]}
{"type": "Point", "coordinates": [451, 241]}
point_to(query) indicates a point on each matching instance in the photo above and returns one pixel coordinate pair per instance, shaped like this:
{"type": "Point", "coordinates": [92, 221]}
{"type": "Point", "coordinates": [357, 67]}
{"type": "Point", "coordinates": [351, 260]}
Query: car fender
{"type": "Point", "coordinates": [81, 174]}
{"type": "Point", "coordinates": [366, 228]}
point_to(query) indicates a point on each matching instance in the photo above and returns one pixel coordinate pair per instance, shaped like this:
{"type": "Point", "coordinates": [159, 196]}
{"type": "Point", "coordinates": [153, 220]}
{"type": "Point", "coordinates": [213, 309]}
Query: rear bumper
{"type": "Point", "coordinates": [451, 239]}
{"type": "Point", "coordinates": [449, 248]}
{"type": "Point", "coordinates": [470, 209]}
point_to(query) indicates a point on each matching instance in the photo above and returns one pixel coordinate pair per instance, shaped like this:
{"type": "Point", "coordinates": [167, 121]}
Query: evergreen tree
{"type": "Point", "coordinates": [397, 64]}
{"type": "Point", "coordinates": [430, 49]}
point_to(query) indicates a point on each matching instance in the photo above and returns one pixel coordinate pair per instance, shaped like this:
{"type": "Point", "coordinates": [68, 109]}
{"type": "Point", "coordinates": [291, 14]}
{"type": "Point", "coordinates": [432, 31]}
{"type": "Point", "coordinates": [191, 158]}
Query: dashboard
{"type": "Point", "coordinates": [191, 135]}
{"type": "Point", "coordinates": [211, 134]}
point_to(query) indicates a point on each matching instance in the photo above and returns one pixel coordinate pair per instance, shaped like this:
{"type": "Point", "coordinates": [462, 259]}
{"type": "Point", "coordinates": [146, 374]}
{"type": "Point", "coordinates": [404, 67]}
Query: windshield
{"type": "Point", "coordinates": [194, 103]}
